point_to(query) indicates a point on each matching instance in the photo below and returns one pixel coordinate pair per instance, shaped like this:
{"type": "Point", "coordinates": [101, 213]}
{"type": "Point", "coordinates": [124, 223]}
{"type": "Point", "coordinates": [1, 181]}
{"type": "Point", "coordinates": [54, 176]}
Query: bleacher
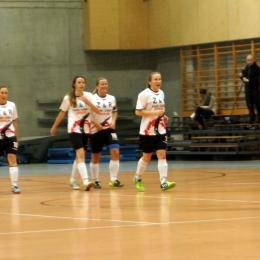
{"type": "Point", "coordinates": [224, 135]}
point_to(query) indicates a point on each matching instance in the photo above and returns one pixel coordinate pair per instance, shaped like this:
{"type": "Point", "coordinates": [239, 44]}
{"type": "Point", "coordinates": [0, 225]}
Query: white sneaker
{"type": "Point", "coordinates": [88, 185]}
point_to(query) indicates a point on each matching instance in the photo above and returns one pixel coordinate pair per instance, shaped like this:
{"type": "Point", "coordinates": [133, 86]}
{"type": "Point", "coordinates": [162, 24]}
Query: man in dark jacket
{"type": "Point", "coordinates": [250, 76]}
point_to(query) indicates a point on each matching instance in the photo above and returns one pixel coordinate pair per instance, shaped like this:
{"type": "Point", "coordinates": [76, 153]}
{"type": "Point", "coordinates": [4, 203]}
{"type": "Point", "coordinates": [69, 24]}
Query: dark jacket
{"type": "Point", "coordinates": [252, 73]}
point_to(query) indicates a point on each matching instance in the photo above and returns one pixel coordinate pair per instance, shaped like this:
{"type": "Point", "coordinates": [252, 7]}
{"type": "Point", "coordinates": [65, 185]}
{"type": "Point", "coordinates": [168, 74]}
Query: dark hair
{"type": "Point", "coordinates": [149, 78]}
{"type": "Point", "coordinates": [72, 95]}
{"type": "Point", "coordinates": [203, 91]}
{"type": "Point", "coordinates": [3, 87]}
{"type": "Point", "coordinates": [97, 82]}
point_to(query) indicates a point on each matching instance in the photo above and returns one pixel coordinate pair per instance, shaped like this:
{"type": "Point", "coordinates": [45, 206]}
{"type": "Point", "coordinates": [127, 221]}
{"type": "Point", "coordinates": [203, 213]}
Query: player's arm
{"type": "Point", "coordinates": [15, 129]}
{"type": "Point", "coordinates": [57, 122]}
{"type": "Point", "coordinates": [97, 125]}
{"type": "Point", "coordinates": [114, 118]}
{"type": "Point", "coordinates": [90, 104]}
{"type": "Point", "coordinates": [149, 113]}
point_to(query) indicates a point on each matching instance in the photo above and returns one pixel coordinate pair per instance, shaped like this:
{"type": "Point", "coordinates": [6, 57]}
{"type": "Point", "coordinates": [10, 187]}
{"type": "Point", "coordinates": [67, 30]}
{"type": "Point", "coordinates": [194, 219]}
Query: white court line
{"type": "Point", "coordinates": [237, 183]}
{"type": "Point", "coordinates": [134, 225]}
{"type": "Point", "coordinates": [87, 219]}
{"type": "Point", "coordinates": [218, 200]}
{"type": "Point", "coordinates": [68, 229]}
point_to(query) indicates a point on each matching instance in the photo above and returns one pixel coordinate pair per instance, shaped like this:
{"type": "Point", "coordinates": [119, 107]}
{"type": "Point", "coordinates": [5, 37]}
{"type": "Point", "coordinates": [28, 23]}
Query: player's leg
{"type": "Point", "coordinates": [11, 148]}
{"type": "Point", "coordinates": [113, 146]}
{"type": "Point", "coordinates": [146, 144]}
{"type": "Point", "coordinates": [74, 175]}
{"type": "Point", "coordinates": [78, 143]}
{"type": "Point", "coordinates": [96, 144]}
{"type": "Point", "coordinates": [161, 145]}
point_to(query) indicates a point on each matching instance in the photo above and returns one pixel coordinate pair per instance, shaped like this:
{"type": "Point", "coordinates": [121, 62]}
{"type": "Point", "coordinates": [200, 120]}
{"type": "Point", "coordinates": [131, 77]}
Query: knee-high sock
{"type": "Point", "coordinates": [83, 172]}
{"type": "Point", "coordinates": [163, 170]}
{"type": "Point", "coordinates": [13, 171]}
{"type": "Point", "coordinates": [113, 169]}
{"type": "Point", "coordinates": [94, 171]}
{"type": "Point", "coordinates": [74, 172]}
{"type": "Point", "coordinates": [141, 166]}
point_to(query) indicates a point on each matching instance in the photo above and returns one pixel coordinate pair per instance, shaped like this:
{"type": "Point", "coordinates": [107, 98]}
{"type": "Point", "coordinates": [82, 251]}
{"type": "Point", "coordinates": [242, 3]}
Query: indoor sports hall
{"type": "Point", "coordinates": [202, 52]}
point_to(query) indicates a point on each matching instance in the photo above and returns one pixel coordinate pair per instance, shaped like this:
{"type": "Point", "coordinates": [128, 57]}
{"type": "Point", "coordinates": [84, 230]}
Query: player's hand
{"type": "Point", "coordinates": [245, 79]}
{"type": "Point", "coordinates": [166, 119]}
{"type": "Point", "coordinates": [99, 127]}
{"type": "Point", "coordinates": [159, 112]}
{"type": "Point", "coordinates": [53, 131]}
{"type": "Point", "coordinates": [112, 125]}
{"type": "Point", "coordinates": [84, 99]}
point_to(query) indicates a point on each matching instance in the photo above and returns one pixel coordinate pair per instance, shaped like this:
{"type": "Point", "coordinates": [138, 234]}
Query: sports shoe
{"type": "Point", "coordinates": [15, 190]}
{"type": "Point", "coordinates": [139, 185]}
{"type": "Point", "coordinates": [97, 185]}
{"type": "Point", "coordinates": [167, 185]}
{"type": "Point", "coordinates": [88, 185]}
{"type": "Point", "coordinates": [74, 185]}
{"type": "Point", "coordinates": [116, 183]}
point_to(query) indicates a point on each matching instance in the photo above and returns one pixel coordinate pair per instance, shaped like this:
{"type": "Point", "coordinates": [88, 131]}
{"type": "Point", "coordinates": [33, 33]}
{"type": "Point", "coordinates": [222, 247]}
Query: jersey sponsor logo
{"type": "Point", "coordinates": [114, 136]}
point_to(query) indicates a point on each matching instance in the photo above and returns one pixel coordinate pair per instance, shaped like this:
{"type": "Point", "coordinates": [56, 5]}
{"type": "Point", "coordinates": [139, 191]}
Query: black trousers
{"type": "Point", "coordinates": [253, 102]}
{"type": "Point", "coordinates": [202, 112]}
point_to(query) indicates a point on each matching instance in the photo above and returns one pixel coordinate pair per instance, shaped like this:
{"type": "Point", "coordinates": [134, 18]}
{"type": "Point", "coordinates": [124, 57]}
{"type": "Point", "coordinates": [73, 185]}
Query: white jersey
{"type": "Point", "coordinates": [8, 114]}
{"type": "Point", "coordinates": [75, 114]}
{"type": "Point", "coordinates": [149, 100]}
{"type": "Point", "coordinates": [106, 105]}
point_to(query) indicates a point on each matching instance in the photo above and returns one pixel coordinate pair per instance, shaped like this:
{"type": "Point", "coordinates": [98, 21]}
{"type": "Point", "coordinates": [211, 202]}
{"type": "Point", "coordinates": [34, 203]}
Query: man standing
{"type": "Point", "coordinates": [250, 76]}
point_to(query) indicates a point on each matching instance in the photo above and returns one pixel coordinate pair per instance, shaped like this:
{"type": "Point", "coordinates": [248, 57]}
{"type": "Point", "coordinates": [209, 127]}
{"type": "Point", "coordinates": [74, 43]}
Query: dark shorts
{"type": "Point", "coordinates": [149, 143]}
{"type": "Point", "coordinates": [8, 145]}
{"type": "Point", "coordinates": [79, 140]}
{"type": "Point", "coordinates": [106, 137]}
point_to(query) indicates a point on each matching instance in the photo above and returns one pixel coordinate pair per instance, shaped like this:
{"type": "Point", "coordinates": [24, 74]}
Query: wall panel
{"type": "Point", "coordinates": [169, 23]}
{"type": "Point", "coordinates": [133, 24]}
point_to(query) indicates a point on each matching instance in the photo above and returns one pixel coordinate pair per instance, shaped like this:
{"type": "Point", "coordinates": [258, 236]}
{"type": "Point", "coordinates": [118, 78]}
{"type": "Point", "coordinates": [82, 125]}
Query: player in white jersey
{"type": "Point", "coordinates": [102, 133]}
{"type": "Point", "coordinates": [152, 136]}
{"type": "Point", "coordinates": [78, 105]}
{"type": "Point", "coordinates": [9, 136]}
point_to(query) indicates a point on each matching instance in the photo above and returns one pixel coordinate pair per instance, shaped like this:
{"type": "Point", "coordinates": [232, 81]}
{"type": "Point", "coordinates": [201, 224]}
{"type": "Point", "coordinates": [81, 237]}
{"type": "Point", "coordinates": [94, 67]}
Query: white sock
{"type": "Point", "coordinates": [74, 172]}
{"type": "Point", "coordinates": [141, 166]}
{"type": "Point", "coordinates": [13, 171]}
{"type": "Point", "coordinates": [94, 171]}
{"type": "Point", "coordinates": [82, 168]}
{"type": "Point", "coordinates": [113, 169]}
{"type": "Point", "coordinates": [163, 170]}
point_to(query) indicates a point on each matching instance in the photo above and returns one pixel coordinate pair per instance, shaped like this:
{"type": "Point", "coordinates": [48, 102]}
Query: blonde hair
{"type": "Point", "coordinates": [72, 95]}
{"type": "Point", "coordinates": [97, 82]}
{"type": "Point", "coordinates": [149, 78]}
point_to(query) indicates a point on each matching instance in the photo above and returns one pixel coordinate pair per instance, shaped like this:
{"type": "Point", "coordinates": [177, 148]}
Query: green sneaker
{"type": "Point", "coordinates": [74, 185]}
{"type": "Point", "coordinates": [116, 183]}
{"type": "Point", "coordinates": [97, 185]}
{"type": "Point", "coordinates": [139, 185]}
{"type": "Point", "coordinates": [167, 185]}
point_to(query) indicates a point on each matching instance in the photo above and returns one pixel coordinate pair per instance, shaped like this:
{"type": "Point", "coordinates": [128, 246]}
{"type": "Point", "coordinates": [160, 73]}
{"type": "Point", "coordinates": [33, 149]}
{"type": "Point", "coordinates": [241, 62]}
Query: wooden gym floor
{"type": "Point", "coordinates": [212, 213]}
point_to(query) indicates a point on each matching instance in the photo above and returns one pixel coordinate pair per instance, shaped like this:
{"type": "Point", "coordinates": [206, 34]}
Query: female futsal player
{"type": "Point", "coordinates": [103, 133]}
{"type": "Point", "coordinates": [152, 135]}
{"type": "Point", "coordinates": [9, 135]}
{"type": "Point", "coordinates": [78, 105]}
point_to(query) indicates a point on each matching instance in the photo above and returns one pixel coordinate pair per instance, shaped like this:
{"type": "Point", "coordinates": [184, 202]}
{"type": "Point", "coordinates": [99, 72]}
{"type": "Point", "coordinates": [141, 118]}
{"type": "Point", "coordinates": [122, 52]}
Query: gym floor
{"type": "Point", "coordinates": [212, 213]}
